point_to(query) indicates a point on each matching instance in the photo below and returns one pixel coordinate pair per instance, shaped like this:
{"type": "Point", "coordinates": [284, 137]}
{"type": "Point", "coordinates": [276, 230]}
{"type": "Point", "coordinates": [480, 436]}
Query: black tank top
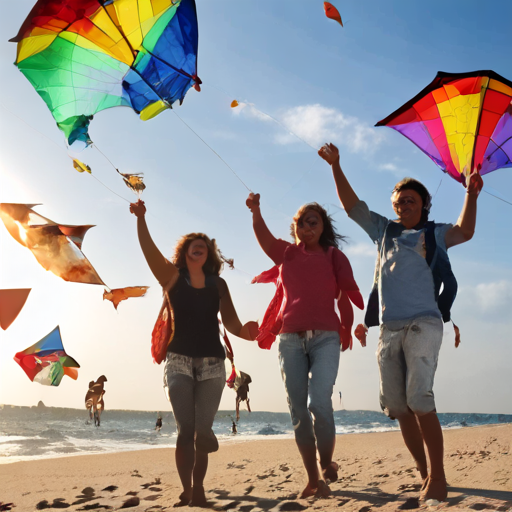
{"type": "Point", "coordinates": [196, 326]}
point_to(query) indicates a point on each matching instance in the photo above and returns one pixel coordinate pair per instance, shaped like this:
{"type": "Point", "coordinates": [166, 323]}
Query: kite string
{"type": "Point", "coordinates": [504, 200]}
{"type": "Point", "coordinates": [267, 115]}
{"type": "Point", "coordinates": [212, 150]}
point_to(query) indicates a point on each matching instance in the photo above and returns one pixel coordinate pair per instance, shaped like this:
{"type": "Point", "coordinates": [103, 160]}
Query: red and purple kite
{"type": "Point", "coordinates": [461, 121]}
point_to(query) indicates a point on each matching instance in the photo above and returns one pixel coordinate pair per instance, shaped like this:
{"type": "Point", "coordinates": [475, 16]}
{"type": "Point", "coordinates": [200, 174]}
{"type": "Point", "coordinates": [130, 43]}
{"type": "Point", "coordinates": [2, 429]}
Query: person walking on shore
{"type": "Point", "coordinates": [311, 274]}
{"type": "Point", "coordinates": [194, 374]}
{"type": "Point", "coordinates": [411, 309]}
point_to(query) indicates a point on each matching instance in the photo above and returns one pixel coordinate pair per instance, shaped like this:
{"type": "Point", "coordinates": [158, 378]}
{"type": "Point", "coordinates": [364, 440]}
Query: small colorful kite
{"type": "Point", "coordinates": [11, 303]}
{"type": "Point", "coordinates": [84, 56]}
{"type": "Point", "coordinates": [46, 362]}
{"type": "Point", "coordinates": [134, 182]}
{"type": "Point", "coordinates": [461, 121]}
{"type": "Point", "coordinates": [120, 294]}
{"type": "Point", "coordinates": [234, 104]}
{"type": "Point", "coordinates": [80, 166]}
{"type": "Point", "coordinates": [332, 13]}
{"type": "Point", "coordinates": [56, 247]}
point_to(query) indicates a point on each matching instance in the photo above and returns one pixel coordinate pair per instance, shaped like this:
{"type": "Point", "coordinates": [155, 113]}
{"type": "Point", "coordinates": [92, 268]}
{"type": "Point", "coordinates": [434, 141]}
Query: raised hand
{"type": "Point", "coordinates": [474, 182]}
{"type": "Point", "coordinates": [329, 152]}
{"type": "Point", "coordinates": [253, 201]}
{"type": "Point", "coordinates": [138, 208]}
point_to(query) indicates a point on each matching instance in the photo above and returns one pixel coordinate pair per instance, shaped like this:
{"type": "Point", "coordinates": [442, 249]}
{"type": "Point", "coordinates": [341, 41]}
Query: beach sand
{"type": "Point", "coordinates": [376, 473]}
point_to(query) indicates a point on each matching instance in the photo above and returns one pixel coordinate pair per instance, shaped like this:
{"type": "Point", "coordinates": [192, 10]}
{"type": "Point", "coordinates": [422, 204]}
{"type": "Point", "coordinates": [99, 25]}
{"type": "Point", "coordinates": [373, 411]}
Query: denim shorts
{"type": "Point", "coordinates": [407, 359]}
{"type": "Point", "coordinates": [199, 368]}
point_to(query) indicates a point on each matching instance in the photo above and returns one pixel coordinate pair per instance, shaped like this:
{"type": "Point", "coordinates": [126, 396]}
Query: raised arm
{"type": "Point", "coordinates": [265, 238]}
{"type": "Point", "coordinates": [230, 319]}
{"type": "Point", "coordinates": [162, 269]}
{"type": "Point", "coordinates": [347, 196]}
{"type": "Point", "coordinates": [464, 229]}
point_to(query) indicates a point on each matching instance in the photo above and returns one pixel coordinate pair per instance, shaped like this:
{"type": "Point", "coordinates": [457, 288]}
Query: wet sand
{"type": "Point", "coordinates": [376, 473]}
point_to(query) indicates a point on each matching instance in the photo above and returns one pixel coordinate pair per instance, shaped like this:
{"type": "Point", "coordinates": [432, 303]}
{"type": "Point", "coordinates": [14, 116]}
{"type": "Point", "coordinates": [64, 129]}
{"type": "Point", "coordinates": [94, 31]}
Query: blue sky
{"type": "Point", "coordinates": [324, 83]}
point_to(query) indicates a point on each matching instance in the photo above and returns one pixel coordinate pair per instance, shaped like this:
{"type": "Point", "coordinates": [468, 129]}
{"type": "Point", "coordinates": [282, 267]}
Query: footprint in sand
{"type": "Point", "coordinates": [291, 506]}
{"type": "Point", "coordinates": [410, 504]}
{"type": "Point", "coordinates": [95, 506]}
{"type": "Point", "coordinates": [132, 502]}
{"type": "Point", "coordinates": [232, 465]}
{"type": "Point", "coordinates": [409, 487]}
{"type": "Point", "coordinates": [262, 477]}
{"type": "Point", "coordinates": [221, 493]}
{"type": "Point", "coordinates": [132, 493]}
{"type": "Point", "coordinates": [88, 494]}
{"type": "Point", "coordinates": [229, 506]}
{"type": "Point", "coordinates": [153, 497]}
{"type": "Point", "coordinates": [59, 503]}
{"type": "Point", "coordinates": [154, 489]}
{"type": "Point", "coordinates": [248, 490]}
{"type": "Point", "coordinates": [148, 485]}
{"type": "Point", "coordinates": [110, 488]}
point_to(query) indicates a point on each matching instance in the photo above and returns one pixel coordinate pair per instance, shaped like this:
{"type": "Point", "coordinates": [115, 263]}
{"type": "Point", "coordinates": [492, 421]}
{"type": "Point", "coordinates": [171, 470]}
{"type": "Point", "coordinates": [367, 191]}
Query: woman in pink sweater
{"type": "Point", "coordinates": [310, 276]}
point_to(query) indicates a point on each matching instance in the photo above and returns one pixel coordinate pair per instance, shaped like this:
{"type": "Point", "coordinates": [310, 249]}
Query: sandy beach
{"type": "Point", "coordinates": [376, 473]}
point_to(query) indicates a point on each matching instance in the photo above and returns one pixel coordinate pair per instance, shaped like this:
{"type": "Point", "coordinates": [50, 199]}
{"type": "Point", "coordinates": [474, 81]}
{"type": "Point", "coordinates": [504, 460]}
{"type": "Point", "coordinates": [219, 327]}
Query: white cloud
{"type": "Point", "coordinates": [491, 296]}
{"type": "Point", "coordinates": [490, 299]}
{"type": "Point", "coordinates": [361, 249]}
{"type": "Point", "coordinates": [317, 124]}
{"type": "Point", "coordinates": [393, 169]}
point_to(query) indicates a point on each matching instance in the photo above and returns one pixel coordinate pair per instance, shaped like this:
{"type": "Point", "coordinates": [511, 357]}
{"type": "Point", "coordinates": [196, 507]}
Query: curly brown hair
{"type": "Point", "coordinates": [215, 261]}
{"type": "Point", "coordinates": [329, 237]}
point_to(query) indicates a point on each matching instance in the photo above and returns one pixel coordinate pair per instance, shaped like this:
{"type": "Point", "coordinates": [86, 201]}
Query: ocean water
{"type": "Point", "coordinates": [28, 433]}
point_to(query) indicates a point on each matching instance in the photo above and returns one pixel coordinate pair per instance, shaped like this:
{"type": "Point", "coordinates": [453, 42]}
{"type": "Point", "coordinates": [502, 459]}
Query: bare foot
{"type": "Point", "coordinates": [198, 497]}
{"type": "Point", "coordinates": [319, 490]}
{"type": "Point", "coordinates": [184, 498]}
{"type": "Point", "coordinates": [424, 485]}
{"type": "Point", "coordinates": [323, 490]}
{"type": "Point", "coordinates": [331, 472]}
{"type": "Point", "coordinates": [436, 489]}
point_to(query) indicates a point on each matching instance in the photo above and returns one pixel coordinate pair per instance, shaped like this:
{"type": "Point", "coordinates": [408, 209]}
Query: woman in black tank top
{"type": "Point", "coordinates": [194, 375]}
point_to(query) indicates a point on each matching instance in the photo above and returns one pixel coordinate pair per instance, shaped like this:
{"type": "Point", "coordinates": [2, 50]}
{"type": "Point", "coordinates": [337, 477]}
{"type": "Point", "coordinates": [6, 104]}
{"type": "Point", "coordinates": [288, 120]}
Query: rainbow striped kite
{"type": "Point", "coordinates": [83, 56]}
{"type": "Point", "coordinates": [461, 121]}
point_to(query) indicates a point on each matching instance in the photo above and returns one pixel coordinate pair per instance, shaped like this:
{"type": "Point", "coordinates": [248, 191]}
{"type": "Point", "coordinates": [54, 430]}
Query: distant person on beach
{"type": "Point", "coordinates": [94, 399]}
{"type": "Point", "coordinates": [194, 374]}
{"type": "Point", "coordinates": [411, 312]}
{"type": "Point", "coordinates": [158, 425]}
{"type": "Point", "coordinates": [100, 407]}
{"type": "Point", "coordinates": [310, 274]}
{"type": "Point", "coordinates": [234, 429]}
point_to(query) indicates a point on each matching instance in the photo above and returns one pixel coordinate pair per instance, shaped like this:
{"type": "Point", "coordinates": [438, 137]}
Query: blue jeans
{"type": "Point", "coordinates": [309, 368]}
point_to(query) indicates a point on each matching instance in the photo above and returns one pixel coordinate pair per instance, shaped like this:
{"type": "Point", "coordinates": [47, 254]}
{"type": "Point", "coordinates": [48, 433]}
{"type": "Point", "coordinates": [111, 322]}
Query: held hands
{"type": "Point", "coordinates": [474, 182]}
{"type": "Point", "coordinates": [138, 208]}
{"type": "Point", "coordinates": [249, 331]}
{"type": "Point", "coordinates": [253, 202]}
{"type": "Point", "coordinates": [329, 152]}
